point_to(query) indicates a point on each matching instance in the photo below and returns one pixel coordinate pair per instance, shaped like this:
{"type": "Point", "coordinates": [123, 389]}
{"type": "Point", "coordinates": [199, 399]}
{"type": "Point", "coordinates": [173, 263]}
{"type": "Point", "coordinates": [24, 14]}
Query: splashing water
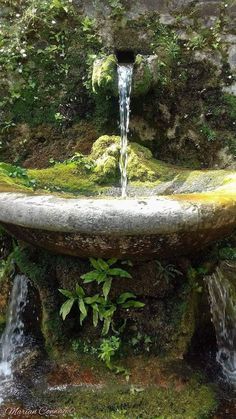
{"type": "Point", "coordinates": [13, 340]}
{"type": "Point", "coordinates": [223, 309]}
{"type": "Point", "coordinates": [125, 72]}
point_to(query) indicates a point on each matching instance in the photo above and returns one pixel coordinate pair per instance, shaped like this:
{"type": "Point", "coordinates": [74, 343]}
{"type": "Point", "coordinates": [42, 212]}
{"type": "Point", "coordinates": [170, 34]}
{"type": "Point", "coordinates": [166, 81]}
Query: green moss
{"type": "Point", "coordinates": [143, 77]}
{"type": "Point", "coordinates": [57, 47]}
{"type": "Point", "coordinates": [40, 273]}
{"type": "Point", "coordinates": [8, 183]}
{"type": "Point", "coordinates": [64, 177]}
{"type": "Point", "coordinates": [184, 317]}
{"type": "Point", "coordinates": [230, 101]}
{"type": "Point", "coordinates": [103, 171]}
{"type": "Point", "coordinates": [104, 79]}
{"type": "Point", "coordinates": [109, 144]}
{"type": "Point", "coordinates": [195, 401]}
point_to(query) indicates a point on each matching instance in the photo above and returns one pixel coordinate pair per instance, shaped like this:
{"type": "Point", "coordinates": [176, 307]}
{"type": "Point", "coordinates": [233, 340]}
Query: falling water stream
{"type": "Point", "coordinates": [13, 339]}
{"type": "Point", "coordinates": [125, 72]}
{"type": "Point", "coordinates": [223, 309]}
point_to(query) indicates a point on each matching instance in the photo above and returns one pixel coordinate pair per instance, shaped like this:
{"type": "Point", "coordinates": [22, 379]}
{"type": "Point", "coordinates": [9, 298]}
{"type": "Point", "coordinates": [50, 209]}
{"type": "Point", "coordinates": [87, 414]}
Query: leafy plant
{"type": "Point", "coordinates": [141, 340]}
{"type": "Point", "coordinates": [85, 347]}
{"type": "Point", "coordinates": [108, 349]}
{"type": "Point", "coordinates": [81, 161]}
{"type": "Point", "coordinates": [59, 117]}
{"type": "Point", "coordinates": [104, 274]}
{"type": "Point", "coordinates": [21, 173]}
{"type": "Point", "coordinates": [167, 272]}
{"type": "Point", "coordinates": [100, 306]}
{"type": "Point", "coordinates": [197, 42]}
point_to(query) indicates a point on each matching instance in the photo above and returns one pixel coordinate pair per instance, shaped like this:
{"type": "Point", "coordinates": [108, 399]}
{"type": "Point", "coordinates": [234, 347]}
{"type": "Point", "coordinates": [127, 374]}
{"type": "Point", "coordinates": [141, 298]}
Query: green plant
{"type": "Point", "coordinates": [108, 349]}
{"type": "Point", "coordinates": [141, 340]}
{"type": "Point", "coordinates": [197, 42]}
{"type": "Point", "coordinates": [102, 309]}
{"type": "Point", "coordinates": [7, 125]}
{"type": "Point", "coordinates": [104, 274]}
{"type": "Point", "coordinates": [81, 161]}
{"type": "Point", "coordinates": [21, 173]}
{"type": "Point", "coordinates": [116, 7]}
{"type": "Point", "coordinates": [43, 44]}
{"type": "Point", "coordinates": [208, 133]}
{"type": "Point", "coordinates": [59, 117]}
{"type": "Point", "coordinates": [227, 253]}
{"type": "Point", "coordinates": [84, 347]}
{"type": "Point", "coordinates": [167, 272]}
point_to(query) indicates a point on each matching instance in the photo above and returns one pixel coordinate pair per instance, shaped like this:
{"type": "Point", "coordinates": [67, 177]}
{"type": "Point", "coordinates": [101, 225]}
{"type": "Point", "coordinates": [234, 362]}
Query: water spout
{"type": "Point", "coordinates": [223, 309]}
{"type": "Point", "coordinates": [125, 72]}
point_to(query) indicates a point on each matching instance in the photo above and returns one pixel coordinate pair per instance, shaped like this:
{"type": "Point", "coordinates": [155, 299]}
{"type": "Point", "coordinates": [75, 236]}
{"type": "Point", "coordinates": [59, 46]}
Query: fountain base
{"type": "Point", "coordinates": [156, 227]}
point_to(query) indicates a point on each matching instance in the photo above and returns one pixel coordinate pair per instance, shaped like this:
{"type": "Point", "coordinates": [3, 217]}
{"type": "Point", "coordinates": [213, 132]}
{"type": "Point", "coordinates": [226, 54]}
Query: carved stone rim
{"type": "Point", "coordinates": [154, 215]}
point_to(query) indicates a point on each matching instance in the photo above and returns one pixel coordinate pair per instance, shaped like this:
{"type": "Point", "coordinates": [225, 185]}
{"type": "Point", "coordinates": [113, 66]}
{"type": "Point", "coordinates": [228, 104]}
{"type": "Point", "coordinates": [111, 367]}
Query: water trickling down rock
{"type": "Point", "coordinates": [223, 309]}
{"type": "Point", "coordinates": [13, 339]}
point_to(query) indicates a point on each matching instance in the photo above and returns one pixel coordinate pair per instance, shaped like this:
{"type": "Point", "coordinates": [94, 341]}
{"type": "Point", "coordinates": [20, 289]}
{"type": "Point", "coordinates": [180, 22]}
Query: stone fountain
{"type": "Point", "coordinates": [175, 219]}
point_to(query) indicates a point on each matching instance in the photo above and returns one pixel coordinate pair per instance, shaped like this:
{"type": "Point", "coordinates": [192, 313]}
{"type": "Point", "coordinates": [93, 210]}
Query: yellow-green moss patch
{"type": "Point", "coordinates": [95, 173]}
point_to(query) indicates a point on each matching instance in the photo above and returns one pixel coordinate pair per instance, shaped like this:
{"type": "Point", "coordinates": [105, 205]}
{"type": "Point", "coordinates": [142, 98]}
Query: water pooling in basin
{"type": "Point", "coordinates": [13, 339]}
{"type": "Point", "coordinates": [125, 72]}
{"type": "Point", "coordinates": [223, 309]}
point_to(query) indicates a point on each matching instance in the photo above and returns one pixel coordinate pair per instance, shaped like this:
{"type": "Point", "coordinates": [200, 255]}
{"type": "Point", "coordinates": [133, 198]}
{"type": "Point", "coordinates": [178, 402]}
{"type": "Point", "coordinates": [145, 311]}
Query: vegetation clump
{"type": "Point", "coordinates": [103, 309]}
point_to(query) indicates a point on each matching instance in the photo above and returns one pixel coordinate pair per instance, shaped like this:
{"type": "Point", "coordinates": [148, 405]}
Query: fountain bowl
{"type": "Point", "coordinates": [140, 228]}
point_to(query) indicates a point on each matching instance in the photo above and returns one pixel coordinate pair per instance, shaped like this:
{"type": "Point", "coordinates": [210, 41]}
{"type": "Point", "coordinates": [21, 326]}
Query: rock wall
{"type": "Point", "coordinates": [187, 117]}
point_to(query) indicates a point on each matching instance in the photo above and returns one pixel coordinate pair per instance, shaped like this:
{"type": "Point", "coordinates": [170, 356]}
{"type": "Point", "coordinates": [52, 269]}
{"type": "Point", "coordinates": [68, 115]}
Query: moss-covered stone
{"type": "Point", "coordinates": [8, 183]}
{"type": "Point", "coordinates": [171, 394]}
{"type": "Point", "coordinates": [143, 76]}
{"type": "Point", "coordinates": [104, 78]}
{"type": "Point", "coordinates": [38, 267]}
{"type": "Point", "coordinates": [92, 174]}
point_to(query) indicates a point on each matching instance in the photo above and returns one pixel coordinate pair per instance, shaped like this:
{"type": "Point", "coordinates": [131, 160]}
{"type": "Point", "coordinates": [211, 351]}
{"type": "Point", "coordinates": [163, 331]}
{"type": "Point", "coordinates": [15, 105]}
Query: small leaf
{"type": "Point", "coordinates": [102, 265]}
{"type": "Point", "coordinates": [106, 288]}
{"type": "Point", "coordinates": [95, 315]}
{"type": "Point", "coordinates": [81, 318]}
{"type": "Point", "coordinates": [92, 300]}
{"type": "Point", "coordinates": [82, 307]}
{"type": "Point", "coordinates": [124, 297]}
{"type": "Point", "coordinates": [94, 263]}
{"type": "Point", "coordinates": [66, 308]}
{"type": "Point", "coordinates": [111, 261]}
{"type": "Point", "coordinates": [133, 304]}
{"type": "Point", "coordinates": [90, 276]}
{"type": "Point", "coordinates": [66, 293]}
{"type": "Point", "coordinates": [79, 291]}
{"type": "Point", "coordinates": [109, 312]}
{"type": "Point", "coordinates": [102, 277]}
{"type": "Point", "coordinates": [106, 326]}
{"type": "Point", "coordinates": [119, 272]}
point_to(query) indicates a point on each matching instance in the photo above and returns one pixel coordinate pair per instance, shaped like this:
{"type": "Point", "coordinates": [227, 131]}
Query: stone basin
{"type": "Point", "coordinates": [140, 228]}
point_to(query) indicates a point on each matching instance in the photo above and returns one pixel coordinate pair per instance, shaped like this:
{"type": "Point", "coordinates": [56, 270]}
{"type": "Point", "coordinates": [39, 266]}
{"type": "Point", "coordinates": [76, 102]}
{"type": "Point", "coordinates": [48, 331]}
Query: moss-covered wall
{"type": "Point", "coordinates": [47, 55]}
